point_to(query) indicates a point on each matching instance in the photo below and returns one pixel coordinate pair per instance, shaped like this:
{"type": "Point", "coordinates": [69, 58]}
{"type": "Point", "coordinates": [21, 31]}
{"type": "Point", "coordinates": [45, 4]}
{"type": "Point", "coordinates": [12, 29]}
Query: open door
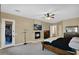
{"type": "Point", "coordinates": [7, 33]}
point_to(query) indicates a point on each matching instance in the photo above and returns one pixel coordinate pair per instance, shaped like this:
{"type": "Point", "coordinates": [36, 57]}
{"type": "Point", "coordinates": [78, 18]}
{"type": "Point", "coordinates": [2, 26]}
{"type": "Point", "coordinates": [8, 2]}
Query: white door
{"type": "Point", "coordinates": [7, 33]}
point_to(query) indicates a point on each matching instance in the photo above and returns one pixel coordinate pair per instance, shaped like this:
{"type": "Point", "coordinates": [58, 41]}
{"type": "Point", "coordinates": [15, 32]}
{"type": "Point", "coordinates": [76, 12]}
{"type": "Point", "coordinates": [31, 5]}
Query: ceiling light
{"type": "Point", "coordinates": [48, 18]}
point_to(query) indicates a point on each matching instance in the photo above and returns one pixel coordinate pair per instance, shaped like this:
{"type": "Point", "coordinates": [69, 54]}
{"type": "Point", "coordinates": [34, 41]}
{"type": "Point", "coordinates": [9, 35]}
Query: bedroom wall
{"type": "Point", "coordinates": [69, 22]}
{"type": "Point", "coordinates": [22, 23]}
{"type": "Point", "coordinates": [46, 26]}
{"type": "Point", "coordinates": [0, 31]}
{"type": "Point", "coordinates": [60, 28]}
{"type": "Point", "coordinates": [0, 25]}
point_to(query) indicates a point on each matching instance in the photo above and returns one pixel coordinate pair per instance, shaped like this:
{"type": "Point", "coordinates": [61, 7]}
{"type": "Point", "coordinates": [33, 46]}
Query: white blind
{"type": "Point", "coordinates": [53, 30]}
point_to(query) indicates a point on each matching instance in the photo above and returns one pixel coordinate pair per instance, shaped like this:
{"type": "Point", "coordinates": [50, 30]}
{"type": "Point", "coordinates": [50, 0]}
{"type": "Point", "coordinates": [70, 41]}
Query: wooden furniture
{"type": "Point", "coordinates": [56, 50]}
{"type": "Point", "coordinates": [46, 34]}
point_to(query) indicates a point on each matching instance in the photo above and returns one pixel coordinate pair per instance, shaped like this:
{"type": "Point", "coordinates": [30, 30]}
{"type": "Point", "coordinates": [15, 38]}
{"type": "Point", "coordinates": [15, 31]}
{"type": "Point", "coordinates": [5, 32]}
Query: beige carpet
{"type": "Point", "coordinates": [28, 49]}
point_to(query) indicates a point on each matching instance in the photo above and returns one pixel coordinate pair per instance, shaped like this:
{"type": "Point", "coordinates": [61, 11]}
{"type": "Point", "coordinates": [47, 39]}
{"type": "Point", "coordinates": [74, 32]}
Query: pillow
{"type": "Point", "coordinates": [75, 39]}
{"type": "Point", "coordinates": [74, 43]}
{"type": "Point", "coordinates": [48, 40]}
{"type": "Point", "coordinates": [51, 39]}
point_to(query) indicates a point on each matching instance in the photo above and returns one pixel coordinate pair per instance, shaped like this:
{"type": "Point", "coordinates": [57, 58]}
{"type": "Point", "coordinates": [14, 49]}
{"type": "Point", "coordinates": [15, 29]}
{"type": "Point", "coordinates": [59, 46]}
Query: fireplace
{"type": "Point", "coordinates": [37, 35]}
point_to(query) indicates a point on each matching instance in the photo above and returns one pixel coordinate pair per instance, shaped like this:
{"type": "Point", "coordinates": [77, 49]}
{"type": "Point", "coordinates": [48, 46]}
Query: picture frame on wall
{"type": "Point", "coordinates": [37, 27]}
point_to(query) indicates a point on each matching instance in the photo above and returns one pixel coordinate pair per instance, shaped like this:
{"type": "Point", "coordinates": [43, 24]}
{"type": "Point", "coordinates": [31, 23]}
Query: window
{"type": "Point", "coordinates": [71, 29]}
{"type": "Point", "coordinates": [53, 30]}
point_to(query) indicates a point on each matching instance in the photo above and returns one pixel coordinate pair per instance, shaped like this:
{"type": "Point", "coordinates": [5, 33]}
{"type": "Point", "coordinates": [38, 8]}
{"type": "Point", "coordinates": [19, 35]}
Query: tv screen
{"type": "Point", "coordinates": [37, 27]}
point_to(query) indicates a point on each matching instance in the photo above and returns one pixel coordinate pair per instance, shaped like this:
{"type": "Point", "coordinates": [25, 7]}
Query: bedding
{"type": "Point", "coordinates": [51, 39]}
{"type": "Point", "coordinates": [59, 43]}
{"type": "Point", "coordinates": [48, 40]}
{"type": "Point", "coordinates": [74, 43]}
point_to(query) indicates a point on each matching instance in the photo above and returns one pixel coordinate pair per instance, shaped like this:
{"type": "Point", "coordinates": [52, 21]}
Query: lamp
{"type": "Point", "coordinates": [25, 31]}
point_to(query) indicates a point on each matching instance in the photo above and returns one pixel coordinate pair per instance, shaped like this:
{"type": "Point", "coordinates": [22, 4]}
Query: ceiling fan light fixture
{"type": "Point", "coordinates": [48, 18]}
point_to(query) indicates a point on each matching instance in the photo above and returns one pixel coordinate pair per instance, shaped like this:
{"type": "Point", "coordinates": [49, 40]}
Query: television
{"type": "Point", "coordinates": [37, 27]}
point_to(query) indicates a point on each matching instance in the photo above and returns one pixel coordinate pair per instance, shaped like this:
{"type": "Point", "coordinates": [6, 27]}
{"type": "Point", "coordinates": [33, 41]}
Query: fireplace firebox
{"type": "Point", "coordinates": [37, 35]}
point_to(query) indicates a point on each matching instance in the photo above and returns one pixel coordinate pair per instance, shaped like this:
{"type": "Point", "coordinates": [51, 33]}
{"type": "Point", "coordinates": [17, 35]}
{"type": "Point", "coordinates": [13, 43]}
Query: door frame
{"type": "Point", "coordinates": [3, 33]}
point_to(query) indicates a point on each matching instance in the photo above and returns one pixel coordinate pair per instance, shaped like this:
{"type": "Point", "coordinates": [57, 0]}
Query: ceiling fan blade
{"type": "Point", "coordinates": [52, 17]}
{"type": "Point", "coordinates": [52, 14]}
{"type": "Point", "coordinates": [48, 14]}
{"type": "Point", "coordinates": [45, 15]}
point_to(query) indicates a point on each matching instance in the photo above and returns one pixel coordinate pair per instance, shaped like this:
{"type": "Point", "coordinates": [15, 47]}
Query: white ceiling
{"type": "Point", "coordinates": [36, 11]}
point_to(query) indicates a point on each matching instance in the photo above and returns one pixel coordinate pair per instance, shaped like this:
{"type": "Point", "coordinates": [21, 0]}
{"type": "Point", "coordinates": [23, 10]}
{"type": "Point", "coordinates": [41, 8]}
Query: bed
{"type": "Point", "coordinates": [59, 46]}
{"type": "Point", "coordinates": [74, 43]}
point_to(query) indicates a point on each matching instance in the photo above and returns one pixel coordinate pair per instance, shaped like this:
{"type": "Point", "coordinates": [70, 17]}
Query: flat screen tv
{"type": "Point", "coordinates": [37, 27]}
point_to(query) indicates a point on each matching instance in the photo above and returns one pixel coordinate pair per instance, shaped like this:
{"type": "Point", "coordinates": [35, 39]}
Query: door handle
{"type": "Point", "coordinates": [13, 36]}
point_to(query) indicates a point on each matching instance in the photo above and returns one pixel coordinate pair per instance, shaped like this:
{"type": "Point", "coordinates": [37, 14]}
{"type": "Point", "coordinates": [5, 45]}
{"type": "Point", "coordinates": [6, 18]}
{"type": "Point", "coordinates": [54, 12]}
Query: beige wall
{"type": "Point", "coordinates": [0, 28]}
{"type": "Point", "coordinates": [46, 26]}
{"type": "Point", "coordinates": [0, 31]}
{"type": "Point", "coordinates": [60, 28]}
{"type": "Point", "coordinates": [69, 22]}
{"type": "Point", "coordinates": [21, 24]}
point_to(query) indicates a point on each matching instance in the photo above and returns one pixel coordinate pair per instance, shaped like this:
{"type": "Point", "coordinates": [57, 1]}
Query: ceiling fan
{"type": "Point", "coordinates": [49, 15]}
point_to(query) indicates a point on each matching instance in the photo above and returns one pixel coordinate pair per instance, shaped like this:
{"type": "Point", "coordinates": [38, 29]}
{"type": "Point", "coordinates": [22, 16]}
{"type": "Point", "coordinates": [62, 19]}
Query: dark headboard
{"type": "Point", "coordinates": [70, 35]}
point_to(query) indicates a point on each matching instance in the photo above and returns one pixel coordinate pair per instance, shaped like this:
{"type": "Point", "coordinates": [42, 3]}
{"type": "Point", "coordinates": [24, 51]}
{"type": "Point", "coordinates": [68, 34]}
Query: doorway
{"type": "Point", "coordinates": [7, 33]}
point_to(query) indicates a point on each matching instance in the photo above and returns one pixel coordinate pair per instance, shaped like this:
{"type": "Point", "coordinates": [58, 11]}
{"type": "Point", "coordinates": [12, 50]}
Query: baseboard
{"type": "Point", "coordinates": [1, 48]}
{"type": "Point", "coordinates": [34, 41]}
{"type": "Point", "coordinates": [18, 44]}
{"type": "Point", "coordinates": [28, 42]}
{"type": "Point", "coordinates": [12, 45]}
